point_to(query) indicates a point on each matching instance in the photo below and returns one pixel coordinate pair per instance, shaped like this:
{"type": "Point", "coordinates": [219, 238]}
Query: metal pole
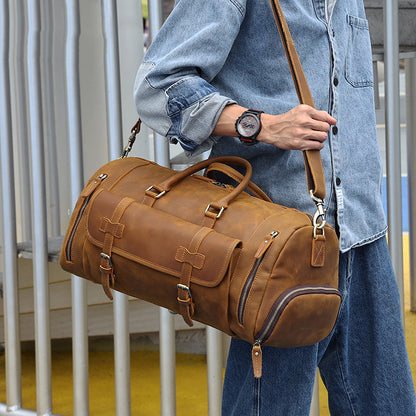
{"type": "Point", "coordinates": [22, 138]}
{"type": "Point", "coordinates": [392, 104]}
{"type": "Point", "coordinates": [315, 397]}
{"type": "Point", "coordinates": [10, 300]}
{"type": "Point", "coordinates": [167, 331]}
{"type": "Point", "coordinates": [155, 10]}
{"type": "Point", "coordinates": [155, 23]}
{"type": "Point", "coordinates": [40, 241]}
{"type": "Point", "coordinates": [410, 65]}
{"type": "Point", "coordinates": [112, 72]}
{"type": "Point", "coordinates": [167, 364]}
{"type": "Point", "coordinates": [78, 287]}
{"type": "Point", "coordinates": [50, 129]}
{"type": "Point", "coordinates": [115, 144]}
{"type": "Point", "coordinates": [214, 370]}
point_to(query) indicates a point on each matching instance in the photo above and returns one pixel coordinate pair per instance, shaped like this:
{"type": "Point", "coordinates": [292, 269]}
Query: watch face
{"type": "Point", "coordinates": [248, 125]}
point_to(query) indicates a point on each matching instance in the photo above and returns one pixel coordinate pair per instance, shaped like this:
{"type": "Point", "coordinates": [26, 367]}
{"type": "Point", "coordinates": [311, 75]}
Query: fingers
{"type": "Point", "coordinates": [318, 125]}
{"type": "Point", "coordinates": [314, 126]}
{"type": "Point", "coordinates": [301, 128]}
{"type": "Point", "coordinates": [306, 139]}
{"type": "Point", "coordinates": [313, 118]}
{"type": "Point", "coordinates": [322, 116]}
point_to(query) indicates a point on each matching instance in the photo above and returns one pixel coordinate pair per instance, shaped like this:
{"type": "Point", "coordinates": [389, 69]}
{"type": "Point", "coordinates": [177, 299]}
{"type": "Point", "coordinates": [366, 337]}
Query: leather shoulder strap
{"type": "Point", "coordinates": [313, 163]}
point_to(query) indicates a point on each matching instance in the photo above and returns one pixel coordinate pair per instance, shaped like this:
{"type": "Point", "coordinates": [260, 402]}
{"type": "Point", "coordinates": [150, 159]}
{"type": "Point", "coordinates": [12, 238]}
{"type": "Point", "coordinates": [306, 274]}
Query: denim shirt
{"type": "Point", "coordinates": [211, 53]}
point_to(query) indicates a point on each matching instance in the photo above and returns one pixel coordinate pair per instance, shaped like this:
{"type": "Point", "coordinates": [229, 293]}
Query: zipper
{"type": "Point", "coordinates": [86, 193]}
{"type": "Point", "coordinates": [283, 300]}
{"type": "Point", "coordinates": [220, 184]}
{"type": "Point", "coordinates": [261, 252]}
{"type": "Point", "coordinates": [276, 311]}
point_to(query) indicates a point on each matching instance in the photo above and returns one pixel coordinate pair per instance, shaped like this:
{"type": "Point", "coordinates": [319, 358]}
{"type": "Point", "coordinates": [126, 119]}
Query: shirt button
{"type": "Point", "coordinates": [336, 82]}
{"type": "Point", "coordinates": [335, 130]}
{"type": "Point", "coordinates": [338, 181]}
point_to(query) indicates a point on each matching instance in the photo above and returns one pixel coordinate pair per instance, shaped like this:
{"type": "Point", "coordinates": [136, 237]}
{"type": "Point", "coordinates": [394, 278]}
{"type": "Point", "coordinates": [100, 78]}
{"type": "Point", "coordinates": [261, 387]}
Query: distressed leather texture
{"type": "Point", "coordinates": [235, 261]}
{"type": "Point", "coordinates": [255, 270]}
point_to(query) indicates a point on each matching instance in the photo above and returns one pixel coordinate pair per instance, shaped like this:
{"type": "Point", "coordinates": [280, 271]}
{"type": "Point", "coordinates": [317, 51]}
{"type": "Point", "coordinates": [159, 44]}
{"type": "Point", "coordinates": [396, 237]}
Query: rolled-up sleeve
{"type": "Point", "coordinates": [173, 90]}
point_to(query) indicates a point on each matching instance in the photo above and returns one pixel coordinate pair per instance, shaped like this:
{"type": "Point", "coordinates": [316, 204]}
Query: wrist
{"type": "Point", "coordinates": [265, 133]}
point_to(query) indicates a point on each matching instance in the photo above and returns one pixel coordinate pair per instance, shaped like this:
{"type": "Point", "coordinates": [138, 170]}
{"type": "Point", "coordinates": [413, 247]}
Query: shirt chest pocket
{"type": "Point", "coordinates": [358, 61]}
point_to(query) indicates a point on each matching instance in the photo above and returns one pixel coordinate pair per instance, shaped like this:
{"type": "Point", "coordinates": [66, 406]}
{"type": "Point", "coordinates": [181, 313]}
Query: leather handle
{"type": "Point", "coordinates": [222, 203]}
{"type": "Point", "coordinates": [237, 176]}
{"type": "Point", "coordinates": [312, 158]}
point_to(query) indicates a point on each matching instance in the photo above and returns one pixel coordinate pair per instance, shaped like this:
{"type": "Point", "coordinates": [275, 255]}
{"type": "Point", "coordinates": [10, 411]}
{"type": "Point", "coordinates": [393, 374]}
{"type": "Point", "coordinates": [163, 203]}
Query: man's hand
{"type": "Point", "coordinates": [302, 128]}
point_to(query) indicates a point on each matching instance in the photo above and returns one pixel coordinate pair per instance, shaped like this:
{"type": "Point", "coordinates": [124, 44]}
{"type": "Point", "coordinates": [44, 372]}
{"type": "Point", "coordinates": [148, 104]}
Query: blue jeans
{"type": "Point", "coordinates": [363, 363]}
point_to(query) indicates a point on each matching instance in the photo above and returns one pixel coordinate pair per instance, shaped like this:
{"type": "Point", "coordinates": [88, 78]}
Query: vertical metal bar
{"type": "Point", "coordinates": [155, 22]}
{"type": "Point", "coordinates": [410, 65]}
{"type": "Point", "coordinates": [112, 69]}
{"type": "Point", "coordinates": [162, 154]}
{"type": "Point", "coordinates": [376, 85]}
{"type": "Point", "coordinates": [130, 37]}
{"type": "Point", "coordinates": [315, 397]}
{"type": "Point", "coordinates": [167, 364]}
{"type": "Point", "coordinates": [155, 11]}
{"type": "Point", "coordinates": [214, 370]}
{"type": "Point", "coordinates": [115, 143]}
{"type": "Point", "coordinates": [122, 354]}
{"type": "Point", "coordinates": [40, 241]}
{"type": "Point", "coordinates": [50, 130]}
{"type": "Point", "coordinates": [392, 104]}
{"type": "Point", "coordinates": [10, 300]}
{"type": "Point", "coordinates": [22, 138]}
{"type": "Point", "coordinates": [78, 287]}
{"type": "Point", "coordinates": [167, 331]}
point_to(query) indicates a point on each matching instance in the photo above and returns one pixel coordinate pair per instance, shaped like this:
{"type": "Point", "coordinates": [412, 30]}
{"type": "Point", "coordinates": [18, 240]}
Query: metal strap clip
{"type": "Point", "coordinates": [319, 220]}
{"type": "Point", "coordinates": [134, 132]}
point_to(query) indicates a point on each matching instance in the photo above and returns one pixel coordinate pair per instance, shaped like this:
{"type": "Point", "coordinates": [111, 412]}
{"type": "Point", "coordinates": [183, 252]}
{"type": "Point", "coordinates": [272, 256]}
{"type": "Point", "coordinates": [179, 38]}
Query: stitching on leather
{"type": "Point", "coordinates": [319, 255]}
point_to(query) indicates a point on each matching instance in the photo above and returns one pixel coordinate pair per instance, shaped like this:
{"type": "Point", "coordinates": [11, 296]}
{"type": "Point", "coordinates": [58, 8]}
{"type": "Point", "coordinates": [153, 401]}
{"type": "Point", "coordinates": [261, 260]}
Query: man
{"type": "Point", "coordinates": [211, 62]}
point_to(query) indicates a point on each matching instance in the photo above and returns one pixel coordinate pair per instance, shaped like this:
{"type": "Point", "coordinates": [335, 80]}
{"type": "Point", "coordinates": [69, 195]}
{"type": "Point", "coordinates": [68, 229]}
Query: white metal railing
{"type": "Point", "coordinates": [410, 64]}
{"type": "Point", "coordinates": [29, 133]}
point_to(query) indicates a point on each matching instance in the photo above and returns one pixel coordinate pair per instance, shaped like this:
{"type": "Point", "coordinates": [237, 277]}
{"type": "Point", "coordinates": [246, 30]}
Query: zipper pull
{"type": "Point", "coordinates": [268, 240]}
{"type": "Point", "coordinates": [92, 186]}
{"type": "Point", "coordinates": [256, 356]}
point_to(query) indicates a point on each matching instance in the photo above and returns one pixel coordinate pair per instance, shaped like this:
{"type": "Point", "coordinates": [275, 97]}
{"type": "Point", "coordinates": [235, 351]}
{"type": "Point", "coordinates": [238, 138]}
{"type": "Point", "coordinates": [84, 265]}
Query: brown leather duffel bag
{"type": "Point", "coordinates": [216, 254]}
{"type": "Point", "coordinates": [249, 267]}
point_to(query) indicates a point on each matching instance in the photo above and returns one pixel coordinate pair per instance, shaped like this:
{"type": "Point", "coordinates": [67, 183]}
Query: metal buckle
{"type": "Point", "coordinates": [184, 287]}
{"type": "Point", "coordinates": [319, 220]}
{"type": "Point", "coordinates": [107, 257]}
{"type": "Point", "coordinates": [219, 213]}
{"type": "Point", "coordinates": [158, 195]}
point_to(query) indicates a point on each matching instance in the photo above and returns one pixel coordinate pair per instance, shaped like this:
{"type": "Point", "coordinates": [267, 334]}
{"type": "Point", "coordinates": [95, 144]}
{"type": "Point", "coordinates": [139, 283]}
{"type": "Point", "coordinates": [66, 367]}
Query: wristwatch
{"type": "Point", "coordinates": [248, 126]}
